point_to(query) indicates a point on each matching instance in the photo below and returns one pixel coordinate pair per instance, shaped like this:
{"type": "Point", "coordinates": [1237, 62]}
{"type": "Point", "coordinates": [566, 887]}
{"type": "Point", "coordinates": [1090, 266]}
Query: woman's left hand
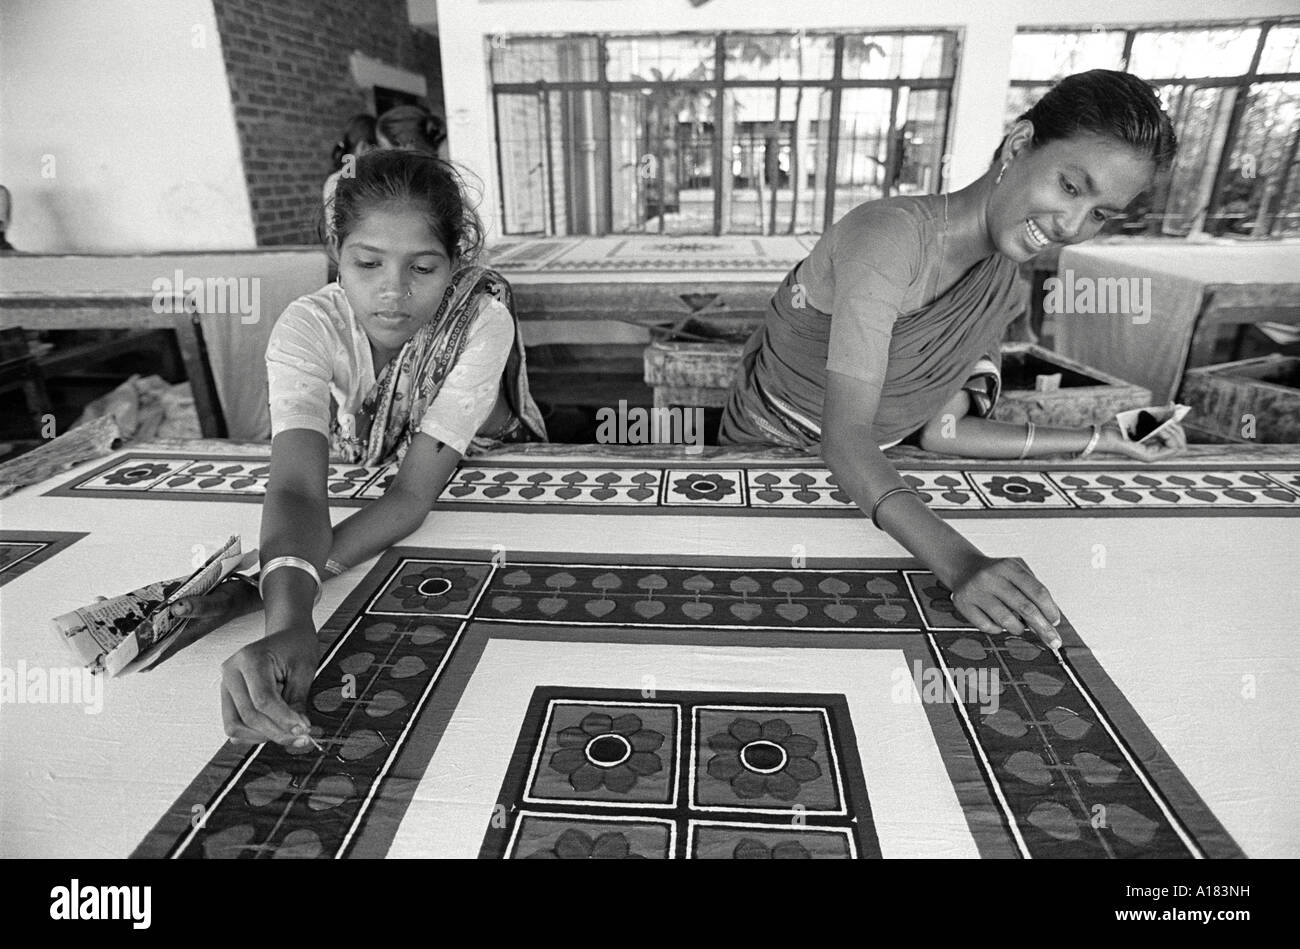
{"type": "Point", "coordinates": [1167, 443]}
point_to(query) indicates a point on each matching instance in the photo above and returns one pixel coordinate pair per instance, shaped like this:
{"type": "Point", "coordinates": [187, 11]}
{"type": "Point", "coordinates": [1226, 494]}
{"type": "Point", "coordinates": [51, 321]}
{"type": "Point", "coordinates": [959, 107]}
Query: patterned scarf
{"type": "Point", "coordinates": [392, 410]}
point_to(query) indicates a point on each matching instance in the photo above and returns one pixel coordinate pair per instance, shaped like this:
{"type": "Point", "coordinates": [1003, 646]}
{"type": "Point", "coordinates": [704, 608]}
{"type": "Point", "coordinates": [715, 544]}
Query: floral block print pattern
{"type": "Point", "coordinates": [776, 490]}
{"type": "Point", "coordinates": [608, 753]}
{"type": "Point", "coordinates": [538, 837]}
{"type": "Point", "coordinates": [685, 775]}
{"type": "Point", "coordinates": [431, 588]}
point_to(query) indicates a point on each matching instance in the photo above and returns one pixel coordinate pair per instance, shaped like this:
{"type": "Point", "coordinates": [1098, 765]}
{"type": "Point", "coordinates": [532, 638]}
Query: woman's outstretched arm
{"type": "Point", "coordinates": [264, 685]}
{"type": "Point", "coordinates": [992, 593]}
{"type": "Point", "coordinates": [954, 432]}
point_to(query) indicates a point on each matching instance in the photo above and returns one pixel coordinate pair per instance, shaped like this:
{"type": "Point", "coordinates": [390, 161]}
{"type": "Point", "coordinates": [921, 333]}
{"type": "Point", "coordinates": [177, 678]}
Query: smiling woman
{"type": "Point", "coordinates": [890, 330]}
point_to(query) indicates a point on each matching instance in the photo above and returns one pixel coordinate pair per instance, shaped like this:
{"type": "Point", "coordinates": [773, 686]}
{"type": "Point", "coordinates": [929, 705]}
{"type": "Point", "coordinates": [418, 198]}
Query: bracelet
{"type": "Point", "coordinates": [278, 562]}
{"type": "Point", "coordinates": [875, 507]}
{"type": "Point", "coordinates": [1092, 442]}
{"type": "Point", "coordinates": [1029, 441]}
{"type": "Point", "coordinates": [334, 568]}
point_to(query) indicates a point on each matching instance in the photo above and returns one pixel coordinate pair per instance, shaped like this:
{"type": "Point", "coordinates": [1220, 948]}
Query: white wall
{"type": "Point", "coordinates": [987, 28]}
{"type": "Point", "coordinates": [136, 119]}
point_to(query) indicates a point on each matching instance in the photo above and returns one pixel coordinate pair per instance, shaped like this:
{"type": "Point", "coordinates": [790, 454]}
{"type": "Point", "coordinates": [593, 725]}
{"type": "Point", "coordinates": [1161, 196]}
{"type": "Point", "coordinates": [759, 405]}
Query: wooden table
{"type": "Point", "coordinates": [1191, 619]}
{"type": "Point", "coordinates": [1195, 290]}
{"type": "Point", "coordinates": [125, 311]}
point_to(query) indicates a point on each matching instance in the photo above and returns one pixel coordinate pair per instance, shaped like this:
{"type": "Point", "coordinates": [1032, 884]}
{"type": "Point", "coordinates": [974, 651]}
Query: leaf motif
{"type": "Point", "coordinates": [1029, 767]}
{"type": "Point", "coordinates": [229, 843]}
{"type": "Point", "coordinates": [262, 791]}
{"type": "Point", "coordinates": [360, 744]}
{"type": "Point", "coordinates": [1055, 820]}
{"type": "Point", "coordinates": [968, 649]}
{"type": "Point", "coordinates": [331, 791]}
{"type": "Point", "coordinates": [300, 844]}
{"type": "Point", "coordinates": [1067, 723]}
{"type": "Point", "coordinates": [1128, 824]}
{"type": "Point", "coordinates": [1006, 722]}
{"type": "Point", "coordinates": [1095, 769]}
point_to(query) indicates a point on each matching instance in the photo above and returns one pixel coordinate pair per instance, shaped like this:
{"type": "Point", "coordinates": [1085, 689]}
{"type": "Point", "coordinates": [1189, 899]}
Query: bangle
{"type": "Point", "coordinates": [1092, 442]}
{"type": "Point", "coordinates": [1029, 441]}
{"type": "Point", "coordinates": [334, 568]}
{"type": "Point", "coordinates": [277, 562]}
{"type": "Point", "coordinates": [875, 507]}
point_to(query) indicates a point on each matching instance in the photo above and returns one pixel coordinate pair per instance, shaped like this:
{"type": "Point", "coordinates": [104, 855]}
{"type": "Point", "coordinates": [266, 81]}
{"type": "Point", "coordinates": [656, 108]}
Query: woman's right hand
{"type": "Point", "coordinates": [1001, 593]}
{"type": "Point", "coordinates": [264, 688]}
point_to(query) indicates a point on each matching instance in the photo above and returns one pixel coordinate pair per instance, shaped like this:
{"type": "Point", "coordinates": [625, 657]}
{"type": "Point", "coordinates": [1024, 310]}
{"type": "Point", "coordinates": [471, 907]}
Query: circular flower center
{"type": "Point", "coordinates": [705, 486]}
{"type": "Point", "coordinates": [763, 757]}
{"type": "Point", "coordinates": [1016, 487]}
{"type": "Point", "coordinates": [434, 586]}
{"type": "Point", "coordinates": [137, 473]}
{"type": "Point", "coordinates": [607, 751]}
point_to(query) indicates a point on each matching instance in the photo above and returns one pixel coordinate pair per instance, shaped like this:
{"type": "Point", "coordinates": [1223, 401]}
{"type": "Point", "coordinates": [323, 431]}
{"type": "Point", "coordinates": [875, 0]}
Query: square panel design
{"type": "Point", "coordinates": [607, 754]}
{"type": "Point", "coordinates": [540, 836]}
{"type": "Point", "coordinates": [765, 760]}
{"type": "Point", "coordinates": [703, 488]}
{"type": "Point", "coordinates": [716, 840]}
{"type": "Point", "coordinates": [431, 588]}
{"type": "Point", "coordinates": [738, 776]}
{"type": "Point", "coordinates": [1020, 489]}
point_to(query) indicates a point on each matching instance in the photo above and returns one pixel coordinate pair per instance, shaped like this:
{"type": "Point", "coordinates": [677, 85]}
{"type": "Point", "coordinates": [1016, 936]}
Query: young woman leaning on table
{"type": "Point", "coordinates": [413, 355]}
{"type": "Point", "coordinates": [889, 330]}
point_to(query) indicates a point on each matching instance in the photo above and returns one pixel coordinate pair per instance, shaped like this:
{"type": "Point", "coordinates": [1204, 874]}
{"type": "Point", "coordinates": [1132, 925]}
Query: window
{"type": "Point", "coordinates": [731, 133]}
{"type": "Point", "coordinates": [1233, 93]}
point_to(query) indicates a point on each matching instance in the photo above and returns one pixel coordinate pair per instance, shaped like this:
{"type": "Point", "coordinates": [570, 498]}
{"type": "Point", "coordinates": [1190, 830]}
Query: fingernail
{"type": "Point", "coordinates": [1058, 621]}
{"type": "Point", "coordinates": [302, 742]}
{"type": "Point", "coordinates": [299, 729]}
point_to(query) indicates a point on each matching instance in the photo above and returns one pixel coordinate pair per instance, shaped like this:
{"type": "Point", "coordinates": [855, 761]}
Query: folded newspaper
{"type": "Point", "coordinates": [127, 633]}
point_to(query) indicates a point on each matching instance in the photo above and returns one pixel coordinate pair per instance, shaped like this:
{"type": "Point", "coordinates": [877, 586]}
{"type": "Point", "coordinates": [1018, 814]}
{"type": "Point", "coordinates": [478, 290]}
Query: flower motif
{"type": "Point", "coordinates": [763, 758]}
{"type": "Point", "coordinates": [433, 587]}
{"type": "Point", "coordinates": [751, 849]}
{"type": "Point", "coordinates": [136, 474]}
{"type": "Point", "coordinates": [609, 751]}
{"type": "Point", "coordinates": [1017, 489]}
{"type": "Point", "coordinates": [575, 845]}
{"type": "Point", "coordinates": [709, 487]}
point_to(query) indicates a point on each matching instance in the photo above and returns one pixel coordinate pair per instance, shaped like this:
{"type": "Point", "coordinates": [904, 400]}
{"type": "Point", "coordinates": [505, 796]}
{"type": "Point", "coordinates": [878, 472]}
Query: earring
{"type": "Point", "coordinates": [998, 180]}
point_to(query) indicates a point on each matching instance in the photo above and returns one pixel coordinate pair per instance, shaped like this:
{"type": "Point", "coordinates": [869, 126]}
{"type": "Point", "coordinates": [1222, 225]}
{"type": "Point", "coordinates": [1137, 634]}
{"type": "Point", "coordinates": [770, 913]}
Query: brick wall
{"type": "Point", "coordinates": [292, 90]}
